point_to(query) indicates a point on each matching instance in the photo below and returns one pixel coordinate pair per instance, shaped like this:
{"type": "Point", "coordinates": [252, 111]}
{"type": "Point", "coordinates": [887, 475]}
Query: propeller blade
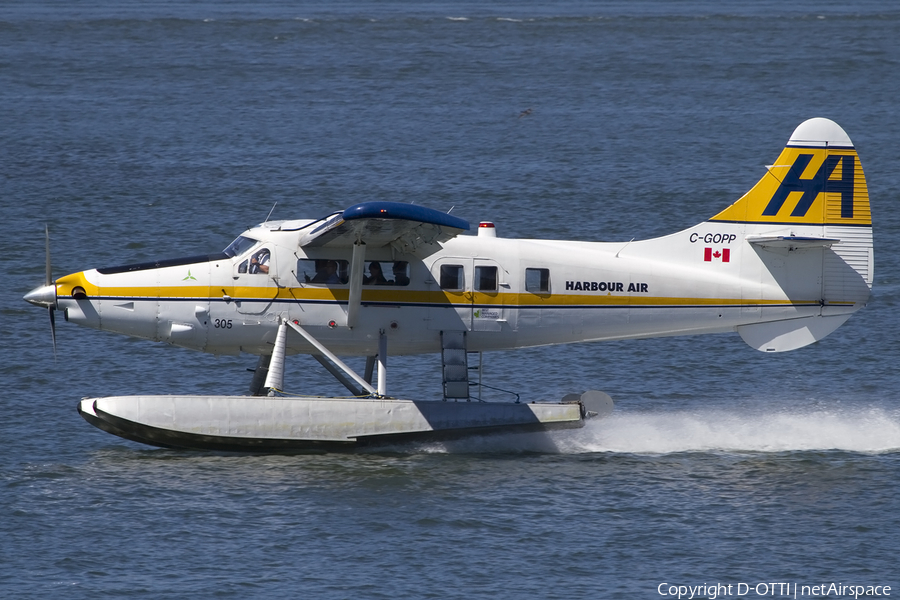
{"type": "Point", "coordinates": [51, 312]}
{"type": "Point", "coordinates": [48, 279]}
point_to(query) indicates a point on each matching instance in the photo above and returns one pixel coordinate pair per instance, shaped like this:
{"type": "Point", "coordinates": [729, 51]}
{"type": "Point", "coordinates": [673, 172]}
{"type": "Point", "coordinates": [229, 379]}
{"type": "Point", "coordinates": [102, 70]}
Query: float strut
{"type": "Point", "coordinates": [275, 376]}
{"type": "Point", "coordinates": [370, 368]}
{"type": "Point", "coordinates": [382, 363]}
{"type": "Point", "coordinates": [336, 373]}
{"type": "Point", "coordinates": [328, 353]}
{"type": "Point", "coordinates": [259, 375]}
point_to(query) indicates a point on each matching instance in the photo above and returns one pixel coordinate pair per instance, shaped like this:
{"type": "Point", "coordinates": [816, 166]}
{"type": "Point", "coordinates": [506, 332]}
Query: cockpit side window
{"type": "Point", "coordinates": [323, 271]}
{"type": "Point", "coordinates": [259, 262]}
{"type": "Point", "coordinates": [240, 245]}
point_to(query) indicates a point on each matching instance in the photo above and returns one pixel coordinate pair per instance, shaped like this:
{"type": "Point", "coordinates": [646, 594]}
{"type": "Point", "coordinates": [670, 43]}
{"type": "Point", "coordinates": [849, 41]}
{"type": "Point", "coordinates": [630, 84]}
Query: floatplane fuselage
{"type": "Point", "coordinates": [783, 266]}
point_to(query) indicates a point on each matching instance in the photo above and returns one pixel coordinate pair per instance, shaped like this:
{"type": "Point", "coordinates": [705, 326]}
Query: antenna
{"type": "Point", "coordinates": [270, 212]}
{"type": "Point", "coordinates": [623, 247]}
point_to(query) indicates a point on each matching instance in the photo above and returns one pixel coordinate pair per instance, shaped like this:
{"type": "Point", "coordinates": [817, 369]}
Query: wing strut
{"type": "Point", "coordinates": [356, 280]}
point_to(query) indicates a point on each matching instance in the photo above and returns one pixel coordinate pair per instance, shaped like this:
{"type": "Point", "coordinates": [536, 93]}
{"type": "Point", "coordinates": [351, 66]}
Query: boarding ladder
{"type": "Point", "coordinates": [455, 363]}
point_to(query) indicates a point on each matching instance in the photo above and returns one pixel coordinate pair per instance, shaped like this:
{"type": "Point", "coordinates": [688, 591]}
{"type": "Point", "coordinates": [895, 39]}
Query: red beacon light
{"type": "Point", "coordinates": [486, 229]}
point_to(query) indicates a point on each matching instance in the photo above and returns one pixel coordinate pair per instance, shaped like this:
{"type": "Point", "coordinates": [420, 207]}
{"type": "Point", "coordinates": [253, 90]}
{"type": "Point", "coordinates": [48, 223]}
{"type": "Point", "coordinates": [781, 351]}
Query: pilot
{"type": "Point", "coordinates": [327, 273]}
{"type": "Point", "coordinates": [400, 276]}
{"type": "Point", "coordinates": [376, 277]}
{"type": "Point", "coordinates": [259, 262]}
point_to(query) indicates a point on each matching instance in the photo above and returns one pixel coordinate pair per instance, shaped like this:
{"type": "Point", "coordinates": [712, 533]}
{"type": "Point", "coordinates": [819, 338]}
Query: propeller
{"type": "Point", "coordinates": [46, 294]}
{"type": "Point", "coordinates": [48, 280]}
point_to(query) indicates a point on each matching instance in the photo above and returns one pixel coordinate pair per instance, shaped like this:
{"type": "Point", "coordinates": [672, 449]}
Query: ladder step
{"type": "Point", "coordinates": [456, 389]}
{"type": "Point", "coordinates": [455, 373]}
{"type": "Point", "coordinates": [455, 357]}
{"type": "Point", "coordinates": [453, 340]}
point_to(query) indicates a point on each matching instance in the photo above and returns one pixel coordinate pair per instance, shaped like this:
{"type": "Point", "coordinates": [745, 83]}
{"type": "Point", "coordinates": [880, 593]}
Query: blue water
{"type": "Point", "coordinates": [151, 130]}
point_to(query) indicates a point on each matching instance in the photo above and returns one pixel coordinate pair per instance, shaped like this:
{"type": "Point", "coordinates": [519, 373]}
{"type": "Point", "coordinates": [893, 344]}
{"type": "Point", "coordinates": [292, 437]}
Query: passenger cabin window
{"type": "Point", "coordinates": [400, 272]}
{"type": "Point", "coordinates": [537, 281]}
{"type": "Point", "coordinates": [375, 275]}
{"type": "Point", "coordinates": [452, 277]}
{"type": "Point", "coordinates": [486, 279]}
{"type": "Point", "coordinates": [323, 271]}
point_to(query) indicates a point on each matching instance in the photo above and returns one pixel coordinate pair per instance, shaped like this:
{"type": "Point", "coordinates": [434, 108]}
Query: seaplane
{"type": "Point", "coordinates": [783, 266]}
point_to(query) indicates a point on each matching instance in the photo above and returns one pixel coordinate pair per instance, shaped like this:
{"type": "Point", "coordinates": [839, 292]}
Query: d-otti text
{"type": "Point", "coordinates": [777, 589]}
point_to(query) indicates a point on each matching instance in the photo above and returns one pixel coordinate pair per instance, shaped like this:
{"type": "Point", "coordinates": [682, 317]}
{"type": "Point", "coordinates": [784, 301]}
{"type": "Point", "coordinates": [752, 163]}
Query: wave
{"type": "Point", "coordinates": [869, 430]}
{"type": "Point", "coordinates": [863, 430]}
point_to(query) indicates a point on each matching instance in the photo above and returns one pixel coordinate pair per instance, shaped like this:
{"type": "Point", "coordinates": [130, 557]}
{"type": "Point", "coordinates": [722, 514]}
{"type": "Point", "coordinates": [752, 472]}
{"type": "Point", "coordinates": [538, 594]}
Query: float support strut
{"type": "Point", "coordinates": [345, 381]}
{"type": "Point", "coordinates": [382, 363]}
{"type": "Point", "coordinates": [275, 376]}
{"type": "Point", "coordinates": [370, 367]}
{"type": "Point", "coordinates": [328, 353]}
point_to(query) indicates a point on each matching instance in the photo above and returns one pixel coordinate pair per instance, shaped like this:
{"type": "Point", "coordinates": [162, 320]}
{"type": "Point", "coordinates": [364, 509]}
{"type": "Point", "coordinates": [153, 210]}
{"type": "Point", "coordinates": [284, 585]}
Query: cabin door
{"type": "Point", "coordinates": [470, 295]}
{"type": "Point", "coordinates": [255, 282]}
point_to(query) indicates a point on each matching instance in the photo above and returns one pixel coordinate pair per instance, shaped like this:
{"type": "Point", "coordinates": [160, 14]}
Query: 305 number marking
{"type": "Point", "coordinates": [222, 323]}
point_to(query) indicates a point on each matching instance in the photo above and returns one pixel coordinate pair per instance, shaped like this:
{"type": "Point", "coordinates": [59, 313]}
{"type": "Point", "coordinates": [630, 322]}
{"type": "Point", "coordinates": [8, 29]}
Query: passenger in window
{"type": "Point", "coordinates": [326, 273]}
{"type": "Point", "coordinates": [259, 262]}
{"type": "Point", "coordinates": [400, 276]}
{"type": "Point", "coordinates": [376, 277]}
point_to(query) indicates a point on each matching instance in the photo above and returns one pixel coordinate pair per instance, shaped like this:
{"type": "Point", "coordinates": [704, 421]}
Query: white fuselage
{"type": "Point", "coordinates": [512, 293]}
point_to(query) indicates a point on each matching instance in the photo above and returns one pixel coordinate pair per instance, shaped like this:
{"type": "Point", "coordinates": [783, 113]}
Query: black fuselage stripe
{"type": "Point", "coordinates": [465, 306]}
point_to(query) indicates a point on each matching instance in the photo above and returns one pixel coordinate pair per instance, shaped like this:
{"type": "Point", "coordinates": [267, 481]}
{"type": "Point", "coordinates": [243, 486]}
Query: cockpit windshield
{"type": "Point", "coordinates": [240, 245]}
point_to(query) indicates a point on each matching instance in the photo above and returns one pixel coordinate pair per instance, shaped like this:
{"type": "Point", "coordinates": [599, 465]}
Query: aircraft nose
{"type": "Point", "coordinates": [42, 296]}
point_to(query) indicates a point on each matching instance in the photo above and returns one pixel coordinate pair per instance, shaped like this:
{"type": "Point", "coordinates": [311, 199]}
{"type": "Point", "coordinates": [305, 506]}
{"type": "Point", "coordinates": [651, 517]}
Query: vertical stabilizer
{"type": "Point", "coordinates": [817, 180]}
{"type": "Point", "coordinates": [813, 199]}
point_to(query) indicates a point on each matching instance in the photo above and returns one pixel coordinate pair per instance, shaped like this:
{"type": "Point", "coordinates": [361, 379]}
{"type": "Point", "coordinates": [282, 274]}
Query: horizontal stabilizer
{"type": "Point", "coordinates": [781, 336]}
{"type": "Point", "coordinates": [792, 242]}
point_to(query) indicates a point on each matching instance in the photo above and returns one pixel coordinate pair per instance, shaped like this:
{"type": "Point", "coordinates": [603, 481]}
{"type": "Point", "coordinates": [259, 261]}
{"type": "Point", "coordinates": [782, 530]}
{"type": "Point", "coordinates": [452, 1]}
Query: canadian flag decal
{"type": "Point", "coordinates": [724, 255]}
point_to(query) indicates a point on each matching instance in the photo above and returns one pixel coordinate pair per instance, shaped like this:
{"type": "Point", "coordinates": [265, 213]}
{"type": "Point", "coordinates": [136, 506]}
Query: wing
{"type": "Point", "coordinates": [403, 226]}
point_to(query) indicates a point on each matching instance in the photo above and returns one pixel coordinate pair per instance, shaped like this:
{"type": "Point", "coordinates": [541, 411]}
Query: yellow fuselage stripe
{"type": "Point", "coordinates": [397, 296]}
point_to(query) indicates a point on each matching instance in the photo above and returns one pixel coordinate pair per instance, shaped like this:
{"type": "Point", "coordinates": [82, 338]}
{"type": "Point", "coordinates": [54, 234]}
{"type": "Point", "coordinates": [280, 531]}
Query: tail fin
{"type": "Point", "coordinates": [817, 180]}
{"type": "Point", "coordinates": [813, 198]}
